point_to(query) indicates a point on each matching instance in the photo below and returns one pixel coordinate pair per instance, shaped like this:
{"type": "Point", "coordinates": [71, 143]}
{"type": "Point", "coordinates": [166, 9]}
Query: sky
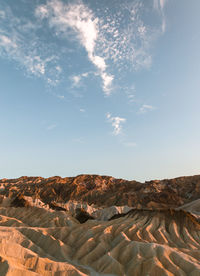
{"type": "Point", "coordinates": [100, 87]}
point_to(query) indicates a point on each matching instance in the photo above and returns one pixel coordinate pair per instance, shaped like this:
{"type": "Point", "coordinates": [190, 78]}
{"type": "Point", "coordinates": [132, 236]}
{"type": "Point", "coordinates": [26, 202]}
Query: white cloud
{"type": "Point", "coordinates": [142, 30]}
{"type": "Point", "coordinates": [7, 44]}
{"type": "Point", "coordinates": [125, 40]}
{"type": "Point", "coordinates": [145, 107]}
{"type": "Point", "coordinates": [107, 82]}
{"type": "Point", "coordinates": [34, 64]}
{"type": "Point", "coordinates": [130, 92]}
{"type": "Point", "coordinates": [82, 110]}
{"type": "Point", "coordinates": [162, 4]}
{"type": "Point", "coordinates": [115, 40]}
{"type": "Point", "coordinates": [85, 75]}
{"type": "Point", "coordinates": [58, 68]}
{"type": "Point", "coordinates": [159, 6]}
{"type": "Point", "coordinates": [76, 80]}
{"type": "Point", "coordinates": [20, 42]}
{"type": "Point", "coordinates": [81, 20]}
{"type": "Point", "coordinates": [99, 62]}
{"type": "Point", "coordinates": [41, 11]}
{"type": "Point", "coordinates": [52, 82]}
{"type": "Point", "coordinates": [116, 123]}
{"type": "Point", "coordinates": [163, 25]}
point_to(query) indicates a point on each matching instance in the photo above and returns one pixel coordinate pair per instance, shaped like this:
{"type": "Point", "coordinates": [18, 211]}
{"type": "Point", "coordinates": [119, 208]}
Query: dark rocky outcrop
{"type": "Point", "coordinates": [19, 201]}
{"type": "Point", "coordinates": [82, 216]}
{"type": "Point", "coordinates": [107, 191]}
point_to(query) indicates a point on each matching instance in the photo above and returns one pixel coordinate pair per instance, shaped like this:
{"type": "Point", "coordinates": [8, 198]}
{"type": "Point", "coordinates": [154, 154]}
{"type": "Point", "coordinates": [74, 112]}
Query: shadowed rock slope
{"type": "Point", "coordinates": [106, 190]}
{"type": "Point", "coordinates": [44, 229]}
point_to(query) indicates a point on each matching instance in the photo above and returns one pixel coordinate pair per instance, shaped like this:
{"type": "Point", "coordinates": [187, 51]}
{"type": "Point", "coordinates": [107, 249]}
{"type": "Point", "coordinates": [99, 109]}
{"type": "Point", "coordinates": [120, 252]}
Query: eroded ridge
{"type": "Point", "coordinates": [62, 226]}
{"type": "Point", "coordinates": [106, 191]}
{"type": "Point", "coordinates": [35, 241]}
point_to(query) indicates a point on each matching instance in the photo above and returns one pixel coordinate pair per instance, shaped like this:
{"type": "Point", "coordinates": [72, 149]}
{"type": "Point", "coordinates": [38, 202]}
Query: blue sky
{"type": "Point", "coordinates": [100, 87]}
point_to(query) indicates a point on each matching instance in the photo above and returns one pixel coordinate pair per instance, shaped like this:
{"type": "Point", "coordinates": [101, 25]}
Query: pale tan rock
{"type": "Point", "coordinates": [155, 231]}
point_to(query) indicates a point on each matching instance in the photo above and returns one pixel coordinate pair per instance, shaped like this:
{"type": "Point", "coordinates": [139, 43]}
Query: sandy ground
{"type": "Point", "coordinates": [134, 229]}
{"type": "Point", "coordinates": [37, 241]}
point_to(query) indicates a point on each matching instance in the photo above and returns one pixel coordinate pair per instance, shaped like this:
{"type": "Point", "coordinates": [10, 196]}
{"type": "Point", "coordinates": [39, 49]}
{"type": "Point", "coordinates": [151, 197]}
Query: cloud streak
{"type": "Point", "coordinates": [115, 40]}
{"type": "Point", "coordinates": [159, 4]}
{"type": "Point", "coordinates": [159, 7]}
{"type": "Point", "coordinates": [145, 108]}
{"type": "Point", "coordinates": [77, 79]}
{"type": "Point", "coordinates": [82, 21]}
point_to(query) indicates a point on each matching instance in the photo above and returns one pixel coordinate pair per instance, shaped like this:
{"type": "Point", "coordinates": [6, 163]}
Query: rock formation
{"type": "Point", "coordinates": [99, 225]}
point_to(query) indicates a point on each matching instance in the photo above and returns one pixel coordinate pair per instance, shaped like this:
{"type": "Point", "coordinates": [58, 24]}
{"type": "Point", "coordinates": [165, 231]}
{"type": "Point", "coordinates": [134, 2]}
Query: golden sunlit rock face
{"type": "Point", "coordinates": [98, 225]}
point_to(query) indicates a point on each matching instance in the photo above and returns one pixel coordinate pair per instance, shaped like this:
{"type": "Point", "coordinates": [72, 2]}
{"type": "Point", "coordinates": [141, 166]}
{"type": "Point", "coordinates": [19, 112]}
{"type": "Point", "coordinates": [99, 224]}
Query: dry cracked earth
{"type": "Point", "coordinates": [99, 225]}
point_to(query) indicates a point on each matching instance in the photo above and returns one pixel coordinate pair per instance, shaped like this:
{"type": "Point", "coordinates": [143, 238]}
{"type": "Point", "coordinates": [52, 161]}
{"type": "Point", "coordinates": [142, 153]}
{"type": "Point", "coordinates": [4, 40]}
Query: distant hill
{"type": "Point", "coordinates": [106, 190]}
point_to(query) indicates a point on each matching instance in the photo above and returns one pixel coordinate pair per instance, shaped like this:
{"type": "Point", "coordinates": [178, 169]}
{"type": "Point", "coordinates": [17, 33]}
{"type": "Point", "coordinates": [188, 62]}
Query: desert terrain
{"type": "Point", "coordinates": [99, 225]}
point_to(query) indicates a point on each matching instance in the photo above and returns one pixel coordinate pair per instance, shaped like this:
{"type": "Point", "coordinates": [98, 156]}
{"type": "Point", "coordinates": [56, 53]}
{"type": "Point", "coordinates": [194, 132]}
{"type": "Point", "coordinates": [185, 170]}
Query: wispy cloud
{"type": "Point", "coordinates": [159, 6]}
{"type": "Point", "coordinates": [77, 79]}
{"type": "Point", "coordinates": [125, 38]}
{"type": "Point", "coordinates": [114, 40]}
{"type": "Point", "coordinates": [145, 108]}
{"type": "Point", "coordinates": [11, 47]}
{"type": "Point", "coordinates": [107, 82]}
{"type": "Point", "coordinates": [130, 92]}
{"type": "Point", "coordinates": [19, 42]}
{"type": "Point", "coordinates": [85, 75]}
{"type": "Point", "coordinates": [120, 38]}
{"type": "Point", "coordinates": [82, 21]}
{"type": "Point", "coordinates": [7, 44]}
{"type": "Point", "coordinates": [61, 97]}
{"type": "Point", "coordinates": [116, 123]}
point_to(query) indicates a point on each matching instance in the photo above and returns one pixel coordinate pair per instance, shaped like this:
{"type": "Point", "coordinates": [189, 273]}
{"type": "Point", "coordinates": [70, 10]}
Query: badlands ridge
{"type": "Point", "coordinates": [98, 225]}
